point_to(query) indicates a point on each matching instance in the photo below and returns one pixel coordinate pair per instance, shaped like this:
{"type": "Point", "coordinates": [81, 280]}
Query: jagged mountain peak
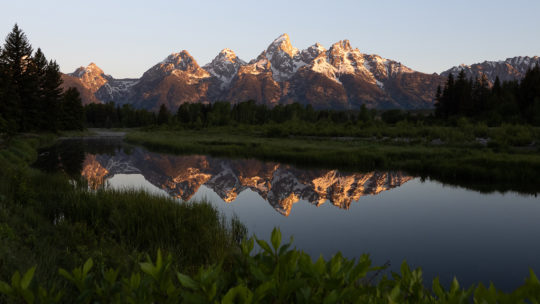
{"type": "Point", "coordinates": [507, 70]}
{"type": "Point", "coordinates": [227, 54]}
{"type": "Point", "coordinates": [91, 68]}
{"type": "Point", "coordinates": [523, 60]}
{"type": "Point", "coordinates": [312, 52]}
{"type": "Point", "coordinates": [281, 44]}
{"type": "Point", "coordinates": [342, 45]}
{"type": "Point", "coordinates": [177, 63]}
{"type": "Point", "coordinates": [180, 60]}
{"type": "Point", "coordinates": [224, 66]}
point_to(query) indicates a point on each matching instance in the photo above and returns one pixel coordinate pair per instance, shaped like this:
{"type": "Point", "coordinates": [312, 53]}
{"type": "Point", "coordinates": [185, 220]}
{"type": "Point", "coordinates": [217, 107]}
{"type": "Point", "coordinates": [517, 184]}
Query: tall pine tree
{"type": "Point", "coordinates": [17, 57]}
{"type": "Point", "coordinates": [51, 89]}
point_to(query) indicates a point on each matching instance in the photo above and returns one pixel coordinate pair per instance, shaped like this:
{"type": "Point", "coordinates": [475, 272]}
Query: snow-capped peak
{"type": "Point", "coordinates": [281, 44]}
{"type": "Point", "coordinates": [224, 66]}
{"type": "Point", "coordinates": [92, 68]}
{"type": "Point", "coordinates": [342, 45]}
{"type": "Point", "coordinates": [227, 54]}
{"type": "Point", "coordinates": [507, 70]}
{"type": "Point", "coordinates": [179, 60]}
{"type": "Point", "coordinates": [312, 52]}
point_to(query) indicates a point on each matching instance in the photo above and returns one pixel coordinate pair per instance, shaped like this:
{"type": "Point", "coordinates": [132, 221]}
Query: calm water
{"type": "Point", "coordinates": [446, 230]}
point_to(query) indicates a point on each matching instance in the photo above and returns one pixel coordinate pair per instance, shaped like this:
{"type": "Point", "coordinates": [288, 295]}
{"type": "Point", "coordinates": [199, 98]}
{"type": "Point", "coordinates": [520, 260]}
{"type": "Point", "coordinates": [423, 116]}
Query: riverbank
{"type": "Point", "coordinates": [473, 165]}
{"type": "Point", "coordinates": [51, 221]}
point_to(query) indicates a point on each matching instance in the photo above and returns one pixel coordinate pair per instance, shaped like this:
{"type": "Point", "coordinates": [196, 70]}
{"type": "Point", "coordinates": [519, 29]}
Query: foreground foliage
{"type": "Point", "coordinates": [276, 274]}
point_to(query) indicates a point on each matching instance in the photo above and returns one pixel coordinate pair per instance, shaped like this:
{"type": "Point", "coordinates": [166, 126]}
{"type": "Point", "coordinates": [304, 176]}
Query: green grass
{"type": "Point", "coordinates": [50, 221]}
{"type": "Point", "coordinates": [491, 167]}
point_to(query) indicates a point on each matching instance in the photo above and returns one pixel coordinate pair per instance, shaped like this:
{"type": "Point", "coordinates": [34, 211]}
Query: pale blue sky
{"type": "Point", "coordinates": [125, 38]}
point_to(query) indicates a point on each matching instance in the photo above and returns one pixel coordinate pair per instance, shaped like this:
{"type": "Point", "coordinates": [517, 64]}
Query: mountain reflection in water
{"type": "Point", "coordinates": [449, 231]}
{"type": "Point", "coordinates": [280, 185]}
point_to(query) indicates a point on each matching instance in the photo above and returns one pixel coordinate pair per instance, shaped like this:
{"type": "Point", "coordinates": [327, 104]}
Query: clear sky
{"type": "Point", "coordinates": [125, 38]}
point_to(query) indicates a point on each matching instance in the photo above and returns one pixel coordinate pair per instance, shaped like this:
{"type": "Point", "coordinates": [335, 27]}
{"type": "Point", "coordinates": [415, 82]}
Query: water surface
{"type": "Point", "coordinates": [448, 231]}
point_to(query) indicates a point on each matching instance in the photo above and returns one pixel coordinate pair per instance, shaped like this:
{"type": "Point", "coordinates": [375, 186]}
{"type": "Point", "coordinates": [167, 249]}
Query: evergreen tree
{"type": "Point", "coordinates": [72, 113]}
{"type": "Point", "coordinates": [364, 115]}
{"type": "Point", "coordinates": [34, 115]}
{"type": "Point", "coordinates": [51, 89]}
{"type": "Point", "coordinates": [17, 57]}
{"type": "Point", "coordinates": [164, 115]}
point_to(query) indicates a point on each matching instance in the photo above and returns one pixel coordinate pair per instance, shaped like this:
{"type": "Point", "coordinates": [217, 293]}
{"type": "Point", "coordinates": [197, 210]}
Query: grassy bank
{"type": "Point", "coordinates": [50, 221]}
{"type": "Point", "coordinates": [463, 162]}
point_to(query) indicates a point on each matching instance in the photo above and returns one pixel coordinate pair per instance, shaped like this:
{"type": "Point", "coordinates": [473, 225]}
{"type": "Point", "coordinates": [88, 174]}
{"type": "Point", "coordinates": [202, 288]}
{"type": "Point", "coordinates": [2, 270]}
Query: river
{"type": "Point", "coordinates": [448, 231]}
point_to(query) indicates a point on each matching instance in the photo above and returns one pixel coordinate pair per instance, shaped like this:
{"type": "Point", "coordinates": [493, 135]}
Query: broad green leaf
{"type": "Point", "coordinates": [276, 238]}
{"type": "Point", "coordinates": [394, 294]}
{"type": "Point", "coordinates": [264, 245]}
{"type": "Point", "coordinates": [187, 282]}
{"type": "Point", "coordinates": [455, 286]}
{"type": "Point", "coordinates": [66, 274]}
{"type": "Point", "coordinates": [27, 278]}
{"type": "Point", "coordinates": [5, 288]}
{"type": "Point", "coordinates": [238, 294]}
{"type": "Point", "coordinates": [532, 278]}
{"type": "Point", "coordinates": [16, 279]}
{"type": "Point", "coordinates": [258, 273]}
{"type": "Point", "coordinates": [87, 266]}
{"type": "Point", "coordinates": [437, 288]}
{"type": "Point", "coordinates": [148, 268]}
{"type": "Point", "coordinates": [284, 248]}
{"type": "Point", "coordinates": [262, 290]}
{"type": "Point", "coordinates": [28, 296]}
{"type": "Point", "coordinates": [332, 297]}
{"type": "Point", "coordinates": [405, 270]}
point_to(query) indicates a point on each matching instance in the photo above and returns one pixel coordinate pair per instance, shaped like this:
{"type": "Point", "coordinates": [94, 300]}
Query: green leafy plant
{"type": "Point", "coordinates": [275, 273]}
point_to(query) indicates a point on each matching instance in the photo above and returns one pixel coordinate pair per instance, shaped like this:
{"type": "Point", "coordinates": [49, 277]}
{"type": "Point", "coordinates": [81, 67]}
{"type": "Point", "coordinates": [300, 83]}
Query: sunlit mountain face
{"type": "Point", "coordinates": [279, 184]}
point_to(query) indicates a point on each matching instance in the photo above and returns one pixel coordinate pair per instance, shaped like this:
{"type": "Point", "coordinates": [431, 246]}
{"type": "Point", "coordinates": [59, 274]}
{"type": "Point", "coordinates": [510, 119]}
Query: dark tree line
{"type": "Point", "coordinates": [220, 113]}
{"type": "Point", "coordinates": [109, 115]}
{"type": "Point", "coordinates": [224, 113]}
{"type": "Point", "coordinates": [31, 97]}
{"type": "Point", "coordinates": [510, 101]}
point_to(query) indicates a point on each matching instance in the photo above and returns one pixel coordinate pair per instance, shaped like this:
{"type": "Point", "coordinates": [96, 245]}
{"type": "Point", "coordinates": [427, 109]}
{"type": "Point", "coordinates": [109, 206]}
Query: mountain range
{"type": "Point", "coordinates": [280, 185]}
{"type": "Point", "coordinates": [339, 77]}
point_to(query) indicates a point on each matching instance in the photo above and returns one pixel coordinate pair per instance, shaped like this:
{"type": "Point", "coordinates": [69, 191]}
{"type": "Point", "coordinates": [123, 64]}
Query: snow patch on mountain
{"type": "Point", "coordinates": [224, 67]}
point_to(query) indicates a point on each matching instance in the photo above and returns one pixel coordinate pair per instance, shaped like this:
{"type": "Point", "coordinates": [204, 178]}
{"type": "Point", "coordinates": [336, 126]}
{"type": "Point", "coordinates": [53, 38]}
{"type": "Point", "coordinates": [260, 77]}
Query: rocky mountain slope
{"type": "Point", "coordinates": [97, 87]}
{"type": "Point", "coordinates": [507, 70]}
{"type": "Point", "coordinates": [339, 77]}
{"type": "Point", "coordinates": [281, 185]}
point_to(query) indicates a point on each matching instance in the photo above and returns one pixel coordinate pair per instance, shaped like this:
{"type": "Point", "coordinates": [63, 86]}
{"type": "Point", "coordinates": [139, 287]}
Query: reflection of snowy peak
{"type": "Point", "coordinates": [281, 185]}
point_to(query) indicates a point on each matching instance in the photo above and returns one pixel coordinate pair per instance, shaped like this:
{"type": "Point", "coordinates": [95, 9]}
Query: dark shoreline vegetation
{"type": "Point", "coordinates": [52, 221]}
{"type": "Point", "coordinates": [457, 159]}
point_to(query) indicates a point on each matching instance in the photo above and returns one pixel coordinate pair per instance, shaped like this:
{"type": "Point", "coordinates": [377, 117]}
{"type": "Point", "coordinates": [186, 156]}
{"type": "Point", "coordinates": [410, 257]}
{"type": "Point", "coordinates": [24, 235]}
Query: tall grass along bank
{"type": "Point", "coordinates": [51, 221]}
